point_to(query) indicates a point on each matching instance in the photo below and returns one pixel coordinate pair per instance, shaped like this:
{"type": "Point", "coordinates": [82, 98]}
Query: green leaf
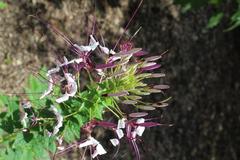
{"type": "Point", "coordinates": [3, 100]}
{"type": "Point", "coordinates": [186, 8]}
{"type": "Point", "coordinates": [11, 103]}
{"type": "Point", "coordinates": [3, 5]}
{"type": "Point", "coordinates": [71, 130]}
{"type": "Point", "coordinates": [215, 2]}
{"type": "Point", "coordinates": [235, 21]}
{"type": "Point", "coordinates": [35, 87]}
{"type": "Point", "coordinates": [215, 20]}
{"type": "Point", "coordinates": [33, 148]}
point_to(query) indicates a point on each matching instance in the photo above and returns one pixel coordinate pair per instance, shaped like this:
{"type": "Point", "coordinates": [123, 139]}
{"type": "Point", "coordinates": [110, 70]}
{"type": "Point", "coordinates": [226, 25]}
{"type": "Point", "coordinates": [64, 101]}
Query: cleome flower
{"type": "Point", "coordinates": [70, 88]}
{"type": "Point", "coordinates": [97, 148]}
{"type": "Point", "coordinates": [118, 79]}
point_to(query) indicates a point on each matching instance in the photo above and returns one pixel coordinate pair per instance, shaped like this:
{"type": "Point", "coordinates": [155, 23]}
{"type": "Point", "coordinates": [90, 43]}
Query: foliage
{"type": "Point", "coordinates": [217, 17]}
{"type": "Point", "coordinates": [3, 5]}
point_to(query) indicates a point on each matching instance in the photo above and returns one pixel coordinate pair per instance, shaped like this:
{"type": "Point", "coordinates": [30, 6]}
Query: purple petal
{"type": "Point", "coordinates": [138, 114]}
{"type": "Point", "coordinates": [106, 124]}
{"type": "Point", "coordinates": [151, 67]}
{"type": "Point", "coordinates": [161, 86]}
{"type": "Point", "coordinates": [140, 53]}
{"type": "Point", "coordinates": [104, 66]}
{"type": "Point", "coordinates": [149, 124]}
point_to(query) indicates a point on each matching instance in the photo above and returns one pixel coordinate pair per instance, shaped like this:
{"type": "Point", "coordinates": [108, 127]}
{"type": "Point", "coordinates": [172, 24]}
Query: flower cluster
{"type": "Point", "coordinates": [116, 80]}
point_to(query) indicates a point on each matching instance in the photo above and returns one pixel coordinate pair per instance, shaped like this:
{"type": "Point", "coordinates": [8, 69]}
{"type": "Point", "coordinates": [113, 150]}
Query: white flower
{"type": "Point", "coordinates": [121, 123]}
{"type": "Point", "coordinates": [91, 47]}
{"type": "Point", "coordinates": [71, 91]}
{"type": "Point", "coordinates": [99, 151]}
{"type": "Point", "coordinates": [114, 142]}
{"type": "Point", "coordinates": [120, 126]}
{"type": "Point", "coordinates": [93, 43]}
{"type": "Point", "coordinates": [59, 120]}
{"type": "Point", "coordinates": [120, 133]}
{"type": "Point", "coordinates": [98, 148]}
{"type": "Point", "coordinates": [140, 129]}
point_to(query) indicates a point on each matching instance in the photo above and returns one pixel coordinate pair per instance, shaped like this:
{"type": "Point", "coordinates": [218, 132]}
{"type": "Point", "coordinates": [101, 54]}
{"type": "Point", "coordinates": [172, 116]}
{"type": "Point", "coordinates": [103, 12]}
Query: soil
{"type": "Point", "coordinates": [202, 66]}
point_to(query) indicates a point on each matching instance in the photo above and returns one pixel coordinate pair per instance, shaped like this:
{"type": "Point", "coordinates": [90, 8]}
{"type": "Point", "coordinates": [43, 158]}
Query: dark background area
{"type": "Point", "coordinates": [202, 66]}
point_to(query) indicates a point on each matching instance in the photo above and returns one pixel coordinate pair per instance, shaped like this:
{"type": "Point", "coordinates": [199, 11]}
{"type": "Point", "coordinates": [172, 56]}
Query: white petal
{"type": "Point", "coordinates": [114, 142]}
{"type": "Point", "coordinates": [86, 143]}
{"type": "Point", "coordinates": [64, 98]}
{"type": "Point", "coordinates": [140, 120]}
{"type": "Point", "coordinates": [140, 130]}
{"type": "Point", "coordinates": [78, 60]}
{"type": "Point", "coordinates": [99, 151]}
{"type": "Point", "coordinates": [104, 49]}
{"type": "Point", "coordinates": [65, 60]}
{"type": "Point", "coordinates": [134, 134]}
{"type": "Point", "coordinates": [114, 58]}
{"type": "Point", "coordinates": [112, 51]}
{"type": "Point", "coordinates": [89, 142]}
{"type": "Point", "coordinates": [100, 72]}
{"type": "Point", "coordinates": [94, 141]}
{"type": "Point", "coordinates": [121, 123]}
{"type": "Point", "coordinates": [59, 120]}
{"type": "Point", "coordinates": [92, 40]}
{"type": "Point", "coordinates": [94, 46]}
{"type": "Point", "coordinates": [24, 120]}
{"type": "Point", "coordinates": [59, 140]}
{"type": "Point", "coordinates": [53, 70]}
{"type": "Point", "coordinates": [83, 48]}
{"type": "Point", "coordinates": [93, 43]}
{"type": "Point", "coordinates": [50, 87]}
{"type": "Point", "coordinates": [72, 84]}
{"type": "Point", "coordinates": [61, 148]}
{"type": "Point", "coordinates": [120, 133]}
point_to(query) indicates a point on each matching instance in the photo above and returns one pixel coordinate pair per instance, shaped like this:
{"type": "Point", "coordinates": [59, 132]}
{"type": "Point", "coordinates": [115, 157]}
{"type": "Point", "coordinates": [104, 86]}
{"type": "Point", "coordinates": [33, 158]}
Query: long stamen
{"type": "Point", "coordinates": [129, 22]}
